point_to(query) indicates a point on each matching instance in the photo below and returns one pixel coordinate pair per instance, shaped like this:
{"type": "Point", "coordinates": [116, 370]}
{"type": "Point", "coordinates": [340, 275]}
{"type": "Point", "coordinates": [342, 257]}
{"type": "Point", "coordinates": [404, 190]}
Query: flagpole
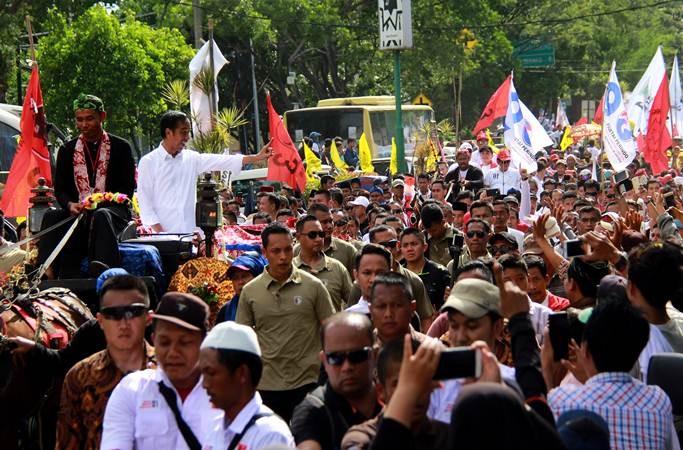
{"type": "Point", "coordinates": [212, 94]}
{"type": "Point", "coordinates": [31, 46]}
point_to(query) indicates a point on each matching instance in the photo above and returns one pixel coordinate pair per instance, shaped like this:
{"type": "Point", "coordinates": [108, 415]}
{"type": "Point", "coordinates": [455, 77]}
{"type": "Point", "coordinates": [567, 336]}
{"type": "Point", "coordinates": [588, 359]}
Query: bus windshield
{"type": "Point", "coordinates": [384, 127]}
{"type": "Point", "coordinates": [328, 122]}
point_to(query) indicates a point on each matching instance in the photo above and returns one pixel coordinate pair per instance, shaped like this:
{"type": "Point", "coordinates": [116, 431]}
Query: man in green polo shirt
{"type": "Point", "coordinates": [311, 258]}
{"type": "Point", "coordinates": [440, 234]}
{"type": "Point", "coordinates": [285, 306]}
{"type": "Point", "coordinates": [333, 247]}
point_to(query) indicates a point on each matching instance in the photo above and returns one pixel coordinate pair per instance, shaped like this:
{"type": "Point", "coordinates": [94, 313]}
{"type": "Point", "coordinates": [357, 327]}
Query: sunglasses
{"type": "Point", "coordinates": [315, 234]}
{"type": "Point", "coordinates": [354, 356]}
{"type": "Point", "coordinates": [396, 211]}
{"type": "Point", "coordinates": [501, 249]}
{"type": "Point", "coordinates": [389, 244]}
{"type": "Point", "coordinates": [127, 312]}
{"type": "Point", "coordinates": [479, 234]}
{"type": "Point", "coordinates": [341, 223]}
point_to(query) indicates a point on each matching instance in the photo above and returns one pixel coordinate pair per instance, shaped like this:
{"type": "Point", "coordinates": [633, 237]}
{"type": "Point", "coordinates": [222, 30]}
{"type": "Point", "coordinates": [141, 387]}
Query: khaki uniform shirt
{"type": "Point", "coordinates": [438, 250]}
{"type": "Point", "coordinates": [340, 250]}
{"type": "Point", "coordinates": [334, 276]}
{"type": "Point", "coordinates": [286, 317]}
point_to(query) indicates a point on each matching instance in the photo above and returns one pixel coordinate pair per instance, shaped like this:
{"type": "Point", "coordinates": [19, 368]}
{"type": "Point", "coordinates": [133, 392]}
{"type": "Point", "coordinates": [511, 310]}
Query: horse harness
{"type": "Point", "coordinates": [33, 308]}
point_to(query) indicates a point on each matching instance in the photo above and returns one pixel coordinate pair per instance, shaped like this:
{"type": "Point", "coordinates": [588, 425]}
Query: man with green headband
{"type": "Point", "coordinates": [93, 162]}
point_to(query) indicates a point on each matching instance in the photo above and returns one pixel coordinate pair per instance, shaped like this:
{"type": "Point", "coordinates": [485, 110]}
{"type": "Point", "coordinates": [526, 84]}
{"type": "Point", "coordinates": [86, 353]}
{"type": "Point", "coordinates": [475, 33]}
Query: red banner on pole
{"type": "Point", "coordinates": [285, 164]}
{"type": "Point", "coordinates": [496, 107]}
{"type": "Point", "coordinates": [32, 159]}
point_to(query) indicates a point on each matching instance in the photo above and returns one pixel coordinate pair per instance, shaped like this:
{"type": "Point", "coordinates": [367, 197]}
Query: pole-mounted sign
{"type": "Point", "coordinates": [395, 25]}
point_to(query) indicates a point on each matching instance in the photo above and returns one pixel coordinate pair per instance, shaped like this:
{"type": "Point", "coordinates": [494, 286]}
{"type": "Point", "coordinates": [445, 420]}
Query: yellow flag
{"type": "Point", "coordinates": [566, 139]}
{"type": "Point", "coordinates": [313, 164]}
{"type": "Point", "coordinates": [431, 161]}
{"type": "Point", "coordinates": [492, 144]}
{"type": "Point", "coordinates": [336, 159]}
{"type": "Point", "coordinates": [393, 162]}
{"type": "Point", "coordinates": [365, 155]}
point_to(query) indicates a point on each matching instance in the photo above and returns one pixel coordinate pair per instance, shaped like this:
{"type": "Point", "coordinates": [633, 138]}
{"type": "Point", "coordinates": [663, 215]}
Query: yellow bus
{"type": "Point", "coordinates": [350, 117]}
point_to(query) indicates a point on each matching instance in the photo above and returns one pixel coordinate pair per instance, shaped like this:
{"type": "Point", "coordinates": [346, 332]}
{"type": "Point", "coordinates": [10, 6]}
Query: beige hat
{"type": "Point", "coordinates": [551, 227]}
{"type": "Point", "coordinates": [531, 247]}
{"type": "Point", "coordinates": [474, 298]}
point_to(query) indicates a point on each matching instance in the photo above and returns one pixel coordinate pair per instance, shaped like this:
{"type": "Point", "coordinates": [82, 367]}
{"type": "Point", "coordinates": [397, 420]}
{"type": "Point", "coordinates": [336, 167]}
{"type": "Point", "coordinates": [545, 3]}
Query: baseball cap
{"type": "Point", "coordinates": [376, 189]}
{"type": "Point", "coordinates": [551, 227]}
{"type": "Point", "coordinates": [612, 286]}
{"type": "Point", "coordinates": [505, 236]}
{"type": "Point", "coordinates": [104, 276]}
{"type": "Point", "coordinates": [398, 182]}
{"type": "Point", "coordinates": [554, 157]}
{"type": "Point", "coordinates": [249, 263]}
{"type": "Point", "coordinates": [474, 298]}
{"type": "Point", "coordinates": [531, 247]}
{"type": "Point", "coordinates": [582, 429]}
{"type": "Point", "coordinates": [561, 161]}
{"type": "Point", "coordinates": [182, 309]}
{"type": "Point", "coordinates": [504, 155]}
{"type": "Point", "coordinates": [360, 201]}
{"type": "Point", "coordinates": [465, 146]}
{"type": "Point", "coordinates": [481, 136]}
{"type": "Point", "coordinates": [232, 336]}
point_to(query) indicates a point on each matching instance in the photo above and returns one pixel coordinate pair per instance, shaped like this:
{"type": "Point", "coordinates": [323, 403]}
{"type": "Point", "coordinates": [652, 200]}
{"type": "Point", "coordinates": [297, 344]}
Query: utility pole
{"type": "Point", "coordinates": [197, 23]}
{"type": "Point", "coordinates": [254, 93]}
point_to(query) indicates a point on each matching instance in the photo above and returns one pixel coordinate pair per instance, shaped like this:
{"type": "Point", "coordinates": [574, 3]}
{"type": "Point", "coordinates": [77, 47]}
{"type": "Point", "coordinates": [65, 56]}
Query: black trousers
{"type": "Point", "coordinates": [284, 402]}
{"type": "Point", "coordinates": [95, 237]}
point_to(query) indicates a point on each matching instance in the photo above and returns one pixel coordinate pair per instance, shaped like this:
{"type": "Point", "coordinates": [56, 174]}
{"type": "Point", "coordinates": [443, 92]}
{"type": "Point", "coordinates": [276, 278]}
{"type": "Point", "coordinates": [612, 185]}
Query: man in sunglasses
{"type": "Point", "coordinates": [477, 234]}
{"type": "Point", "coordinates": [348, 397]}
{"type": "Point", "coordinates": [166, 407]}
{"type": "Point", "coordinates": [311, 259]}
{"type": "Point", "coordinates": [333, 247]}
{"type": "Point", "coordinates": [502, 243]}
{"type": "Point", "coordinates": [124, 302]}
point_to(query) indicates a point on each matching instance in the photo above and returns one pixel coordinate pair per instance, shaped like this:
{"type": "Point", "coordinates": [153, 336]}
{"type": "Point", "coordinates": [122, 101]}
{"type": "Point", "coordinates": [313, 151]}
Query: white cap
{"type": "Point", "coordinates": [232, 336]}
{"type": "Point", "coordinates": [360, 201]}
{"type": "Point", "coordinates": [465, 146]}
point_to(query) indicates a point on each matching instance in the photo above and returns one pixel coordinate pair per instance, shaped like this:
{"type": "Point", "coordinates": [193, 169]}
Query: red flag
{"type": "Point", "coordinates": [658, 139]}
{"type": "Point", "coordinates": [581, 121]}
{"type": "Point", "coordinates": [496, 107]}
{"type": "Point", "coordinates": [32, 159]}
{"type": "Point", "coordinates": [600, 113]}
{"type": "Point", "coordinates": [285, 164]}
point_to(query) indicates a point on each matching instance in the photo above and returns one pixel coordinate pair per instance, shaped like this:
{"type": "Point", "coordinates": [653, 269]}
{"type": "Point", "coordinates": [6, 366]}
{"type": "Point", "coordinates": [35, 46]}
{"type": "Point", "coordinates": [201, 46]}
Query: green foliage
{"type": "Point", "coordinates": [126, 63]}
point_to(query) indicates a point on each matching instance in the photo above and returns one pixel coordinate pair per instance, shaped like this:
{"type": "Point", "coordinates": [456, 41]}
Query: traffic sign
{"type": "Point", "coordinates": [535, 56]}
{"type": "Point", "coordinates": [422, 100]}
{"type": "Point", "coordinates": [395, 24]}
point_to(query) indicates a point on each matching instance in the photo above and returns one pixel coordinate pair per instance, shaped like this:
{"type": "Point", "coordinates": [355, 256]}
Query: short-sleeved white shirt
{"type": "Point", "coordinates": [267, 430]}
{"type": "Point", "coordinates": [137, 415]}
{"type": "Point", "coordinates": [442, 400]}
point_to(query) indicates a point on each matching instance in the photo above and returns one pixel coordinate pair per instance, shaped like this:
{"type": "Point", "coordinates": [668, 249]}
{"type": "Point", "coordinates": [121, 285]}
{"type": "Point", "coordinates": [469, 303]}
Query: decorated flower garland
{"type": "Point", "coordinates": [92, 201]}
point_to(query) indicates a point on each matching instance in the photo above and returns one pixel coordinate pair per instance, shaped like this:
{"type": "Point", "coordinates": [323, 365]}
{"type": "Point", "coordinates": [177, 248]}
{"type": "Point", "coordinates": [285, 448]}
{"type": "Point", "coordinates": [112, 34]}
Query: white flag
{"type": "Point", "coordinates": [524, 136]}
{"type": "Point", "coordinates": [199, 100]}
{"type": "Point", "coordinates": [640, 100]}
{"type": "Point", "coordinates": [617, 139]}
{"type": "Point", "coordinates": [676, 99]}
{"type": "Point", "coordinates": [561, 119]}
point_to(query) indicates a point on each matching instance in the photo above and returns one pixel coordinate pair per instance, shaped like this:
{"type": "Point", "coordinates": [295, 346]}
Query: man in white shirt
{"type": "Point", "coordinates": [144, 411]}
{"type": "Point", "coordinates": [501, 216]}
{"type": "Point", "coordinates": [230, 360]}
{"type": "Point", "coordinates": [503, 178]}
{"type": "Point", "coordinates": [167, 187]}
{"type": "Point", "coordinates": [371, 261]}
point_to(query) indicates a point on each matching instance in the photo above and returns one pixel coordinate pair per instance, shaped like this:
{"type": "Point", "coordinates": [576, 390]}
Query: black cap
{"type": "Point", "coordinates": [185, 310]}
{"type": "Point", "coordinates": [505, 236]}
{"type": "Point", "coordinates": [460, 206]}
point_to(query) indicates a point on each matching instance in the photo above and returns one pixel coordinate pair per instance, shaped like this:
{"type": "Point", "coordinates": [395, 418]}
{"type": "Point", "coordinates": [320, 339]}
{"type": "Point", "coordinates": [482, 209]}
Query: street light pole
{"type": "Point", "coordinates": [197, 23]}
{"type": "Point", "coordinates": [400, 146]}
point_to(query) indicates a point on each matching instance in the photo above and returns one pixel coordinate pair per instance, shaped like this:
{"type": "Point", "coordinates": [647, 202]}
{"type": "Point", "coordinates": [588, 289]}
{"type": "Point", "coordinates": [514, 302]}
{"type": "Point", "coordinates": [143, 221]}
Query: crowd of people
{"type": "Point", "coordinates": [338, 330]}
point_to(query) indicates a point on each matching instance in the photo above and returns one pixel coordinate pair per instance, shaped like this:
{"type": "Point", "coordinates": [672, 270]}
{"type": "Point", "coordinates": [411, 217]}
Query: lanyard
{"type": "Point", "coordinates": [238, 437]}
{"type": "Point", "coordinates": [92, 163]}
